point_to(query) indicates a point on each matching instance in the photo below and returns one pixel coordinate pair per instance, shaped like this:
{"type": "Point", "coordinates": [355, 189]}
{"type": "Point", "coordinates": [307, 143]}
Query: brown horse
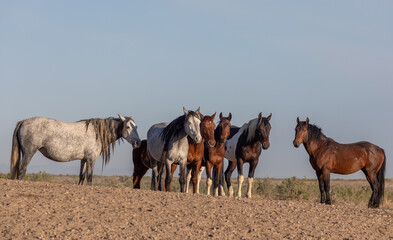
{"type": "Point", "coordinates": [214, 155]}
{"type": "Point", "coordinates": [327, 156]}
{"type": "Point", "coordinates": [196, 150]}
{"type": "Point", "coordinates": [141, 163]}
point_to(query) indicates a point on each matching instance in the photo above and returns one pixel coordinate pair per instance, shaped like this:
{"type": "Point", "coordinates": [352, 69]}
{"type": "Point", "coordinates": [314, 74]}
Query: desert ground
{"type": "Point", "coordinates": [43, 210]}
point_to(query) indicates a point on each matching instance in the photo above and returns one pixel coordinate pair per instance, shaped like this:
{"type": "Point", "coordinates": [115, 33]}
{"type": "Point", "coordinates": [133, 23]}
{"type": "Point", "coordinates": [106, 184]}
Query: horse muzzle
{"type": "Point", "coordinates": [211, 143]}
{"type": "Point", "coordinates": [136, 144]}
{"type": "Point", "coordinates": [223, 140]}
{"type": "Point", "coordinates": [296, 143]}
{"type": "Point", "coordinates": [265, 145]}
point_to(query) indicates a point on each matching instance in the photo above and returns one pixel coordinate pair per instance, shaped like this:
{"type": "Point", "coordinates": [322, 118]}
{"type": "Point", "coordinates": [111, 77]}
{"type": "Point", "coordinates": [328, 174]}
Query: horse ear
{"type": "Point", "coordinates": [185, 110]}
{"type": "Point", "coordinates": [198, 110]}
{"type": "Point", "coordinates": [297, 120]}
{"type": "Point", "coordinates": [121, 118]}
{"type": "Point", "coordinates": [307, 120]}
{"type": "Point", "coordinates": [201, 115]}
{"type": "Point", "coordinates": [260, 116]}
{"type": "Point", "coordinates": [214, 115]}
{"type": "Point", "coordinates": [220, 115]}
{"type": "Point", "coordinates": [230, 117]}
{"type": "Point", "coordinates": [270, 117]}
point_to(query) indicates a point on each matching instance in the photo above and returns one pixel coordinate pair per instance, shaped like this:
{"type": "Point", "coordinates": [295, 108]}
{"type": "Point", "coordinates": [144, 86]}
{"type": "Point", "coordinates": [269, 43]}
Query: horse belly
{"type": "Point", "coordinates": [62, 154]}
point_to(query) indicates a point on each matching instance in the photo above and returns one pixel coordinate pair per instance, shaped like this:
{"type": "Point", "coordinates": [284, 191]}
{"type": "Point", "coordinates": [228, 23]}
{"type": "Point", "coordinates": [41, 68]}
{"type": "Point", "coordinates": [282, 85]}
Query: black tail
{"type": "Point", "coordinates": [381, 181]}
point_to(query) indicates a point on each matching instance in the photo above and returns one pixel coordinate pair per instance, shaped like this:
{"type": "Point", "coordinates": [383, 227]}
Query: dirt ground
{"type": "Point", "coordinates": [39, 210]}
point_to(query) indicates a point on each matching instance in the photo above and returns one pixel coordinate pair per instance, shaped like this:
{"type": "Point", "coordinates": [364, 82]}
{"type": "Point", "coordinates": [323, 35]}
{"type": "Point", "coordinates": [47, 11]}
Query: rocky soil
{"type": "Point", "coordinates": [37, 210]}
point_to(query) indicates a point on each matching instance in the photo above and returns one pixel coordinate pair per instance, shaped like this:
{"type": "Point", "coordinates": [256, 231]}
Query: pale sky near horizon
{"type": "Point", "coordinates": [329, 61]}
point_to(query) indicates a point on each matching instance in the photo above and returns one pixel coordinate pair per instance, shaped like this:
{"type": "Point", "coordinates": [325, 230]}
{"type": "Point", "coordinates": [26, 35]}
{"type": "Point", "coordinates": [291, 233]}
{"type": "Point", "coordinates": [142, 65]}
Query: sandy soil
{"type": "Point", "coordinates": [40, 210]}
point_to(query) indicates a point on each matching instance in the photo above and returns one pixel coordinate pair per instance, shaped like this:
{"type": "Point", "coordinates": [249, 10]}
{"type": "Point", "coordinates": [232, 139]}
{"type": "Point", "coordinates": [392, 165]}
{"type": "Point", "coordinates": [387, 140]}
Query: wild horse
{"type": "Point", "coordinates": [167, 144]}
{"type": "Point", "coordinates": [245, 145]}
{"type": "Point", "coordinates": [64, 142]}
{"type": "Point", "coordinates": [328, 156]}
{"type": "Point", "coordinates": [214, 155]}
{"type": "Point", "coordinates": [196, 151]}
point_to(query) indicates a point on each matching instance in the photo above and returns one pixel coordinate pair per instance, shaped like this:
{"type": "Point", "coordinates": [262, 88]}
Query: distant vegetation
{"type": "Point", "coordinates": [352, 191]}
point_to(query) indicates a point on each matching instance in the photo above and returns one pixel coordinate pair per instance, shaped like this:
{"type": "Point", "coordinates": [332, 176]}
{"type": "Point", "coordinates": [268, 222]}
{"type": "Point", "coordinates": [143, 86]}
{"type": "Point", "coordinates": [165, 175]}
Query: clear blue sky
{"type": "Point", "coordinates": [328, 60]}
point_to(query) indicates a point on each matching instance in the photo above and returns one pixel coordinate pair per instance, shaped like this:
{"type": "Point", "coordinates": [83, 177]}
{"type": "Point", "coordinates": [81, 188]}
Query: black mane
{"type": "Point", "coordinates": [314, 132]}
{"type": "Point", "coordinates": [174, 128]}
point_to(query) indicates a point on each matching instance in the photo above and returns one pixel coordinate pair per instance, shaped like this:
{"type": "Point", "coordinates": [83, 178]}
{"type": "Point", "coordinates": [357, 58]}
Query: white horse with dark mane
{"type": "Point", "coordinates": [60, 141]}
{"type": "Point", "coordinates": [167, 144]}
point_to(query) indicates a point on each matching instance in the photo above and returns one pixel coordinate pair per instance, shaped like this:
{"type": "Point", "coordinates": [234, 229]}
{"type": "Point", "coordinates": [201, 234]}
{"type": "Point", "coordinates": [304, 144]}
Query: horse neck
{"type": "Point", "coordinates": [312, 146]}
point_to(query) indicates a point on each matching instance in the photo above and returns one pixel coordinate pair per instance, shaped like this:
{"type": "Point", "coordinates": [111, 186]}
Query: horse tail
{"type": "Point", "coordinates": [15, 153]}
{"type": "Point", "coordinates": [381, 180]}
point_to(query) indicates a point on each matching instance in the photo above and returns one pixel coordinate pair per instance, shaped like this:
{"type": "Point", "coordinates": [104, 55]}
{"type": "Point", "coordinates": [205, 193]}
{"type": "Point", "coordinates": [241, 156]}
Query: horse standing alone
{"type": "Point", "coordinates": [63, 142]}
{"type": "Point", "coordinates": [327, 156]}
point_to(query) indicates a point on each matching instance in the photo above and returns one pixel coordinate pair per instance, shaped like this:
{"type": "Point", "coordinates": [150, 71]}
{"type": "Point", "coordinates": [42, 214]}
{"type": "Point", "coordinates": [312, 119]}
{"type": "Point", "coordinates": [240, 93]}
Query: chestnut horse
{"type": "Point", "coordinates": [196, 150]}
{"type": "Point", "coordinates": [245, 145]}
{"type": "Point", "coordinates": [327, 156]}
{"type": "Point", "coordinates": [214, 155]}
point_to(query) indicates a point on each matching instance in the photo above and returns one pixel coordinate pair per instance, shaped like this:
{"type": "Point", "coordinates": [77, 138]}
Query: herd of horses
{"type": "Point", "coordinates": [193, 142]}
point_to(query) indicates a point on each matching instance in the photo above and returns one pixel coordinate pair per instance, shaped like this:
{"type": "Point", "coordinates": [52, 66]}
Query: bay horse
{"type": "Point", "coordinates": [328, 156]}
{"type": "Point", "coordinates": [245, 144]}
{"type": "Point", "coordinates": [167, 144]}
{"type": "Point", "coordinates": [196, 151]}
{"type": "Point", "coordinates": [214, 155]}
{"type": "Point", "coordinates": [61, 141]}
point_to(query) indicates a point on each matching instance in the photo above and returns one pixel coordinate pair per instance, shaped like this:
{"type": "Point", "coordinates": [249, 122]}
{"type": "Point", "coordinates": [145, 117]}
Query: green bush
{"type": "Point", "coordinates": [39, 177]}
{"type": "Point", "coordinates": [293, 188]}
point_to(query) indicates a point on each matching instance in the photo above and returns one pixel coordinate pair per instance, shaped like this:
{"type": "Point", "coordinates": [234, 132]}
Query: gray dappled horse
{"type": "Point", "coordinates": [167, 143]}
{"type": "Point", "coordinates": [64, 142]}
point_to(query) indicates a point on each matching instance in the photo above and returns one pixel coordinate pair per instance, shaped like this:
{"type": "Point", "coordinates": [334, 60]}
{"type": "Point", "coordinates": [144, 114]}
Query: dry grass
{"type": "Point", "coordinates": [353, 191]}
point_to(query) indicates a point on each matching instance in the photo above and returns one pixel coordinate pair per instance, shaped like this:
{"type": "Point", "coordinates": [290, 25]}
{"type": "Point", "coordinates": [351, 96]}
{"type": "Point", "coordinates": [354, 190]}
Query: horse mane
{"type": "Point", "coordinates": [107, 130]}
{"type": "Point", "coordinates": [249, 129]}
{"type": "Point", "coordinates": [174, 128]}
{"type": "Point", "coordinates": [314, 132]}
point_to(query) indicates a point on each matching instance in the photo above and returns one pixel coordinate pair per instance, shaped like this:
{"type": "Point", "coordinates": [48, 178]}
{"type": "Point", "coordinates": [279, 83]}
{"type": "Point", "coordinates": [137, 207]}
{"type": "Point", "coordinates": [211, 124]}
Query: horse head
{"type": "Point", "coordinates": [129, 131]}
{"type": "Point", "coordinates": [263, 130]}
{"type": "Point", "coordinates": [224, 127]}
{"type": "Point", "coordinates": [192, 125]}
{"type": "Point", "coordinates": [301, 132]}
{"type": "Point", "coordinates": [207, 129]}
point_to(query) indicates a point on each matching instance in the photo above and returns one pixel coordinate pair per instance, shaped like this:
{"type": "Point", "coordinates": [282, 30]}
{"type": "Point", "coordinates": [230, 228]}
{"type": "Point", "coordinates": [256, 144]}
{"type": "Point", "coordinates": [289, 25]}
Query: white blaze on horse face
{"type": "Point", "coordinates": [130, 133]}
{"type": "Point", "coordinates": [192, 128]}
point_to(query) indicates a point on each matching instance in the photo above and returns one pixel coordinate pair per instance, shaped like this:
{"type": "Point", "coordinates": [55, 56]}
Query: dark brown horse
{"type": "Point", "coordinates": [196, 150]}
{"type": "Point", "coordinates": [214, 155]}
{"type": "Point", "coordinates": [245, 145]}
{"type": "Point", "coordinates": [327, 156]}
{"type": "Point", "coordinates": [141, 163]}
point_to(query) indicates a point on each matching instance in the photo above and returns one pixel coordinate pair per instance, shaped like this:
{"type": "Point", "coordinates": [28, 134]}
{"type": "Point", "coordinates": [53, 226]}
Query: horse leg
{"type": "Point", "coordinates": [321, 186]}
{"type": "Point", "coordinates": [216, 178]}
{"type": "Point", "coordinates": [228, 174]}
{"type": "Point", "coordinates": [240, 177]}
{"type": "Point", "coordinates": [221, 190]}
{"type": "Point", "coordinates": [89, 171]}
{"type": "Point", "coordinates": [250, 179]}
{"type": "Point", "coordinates": [27, 156]}
{"type": "Point", "coordinates": [208, 177]}
{"type": "Point", "coordinates": [173, 169]}
{"type": "Point", "coordinates": [82, 172]}
{"type": "Point", "coordinates": [201, 169]}
{"type": "Point", "coordinates": [154, 174]}
{"type": "Point", "coordinates": [374, 187]}
{"type": "Point", "coordinates": [326, 181]}
{"type": "Point", "coordinates": [195, 173]}
{"type": "Point", "coordinates": [182, 180]}
{"type": "Point", "coordinates": [142, 171]}
{"type": "Point", "coordinates": [188, 180]}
